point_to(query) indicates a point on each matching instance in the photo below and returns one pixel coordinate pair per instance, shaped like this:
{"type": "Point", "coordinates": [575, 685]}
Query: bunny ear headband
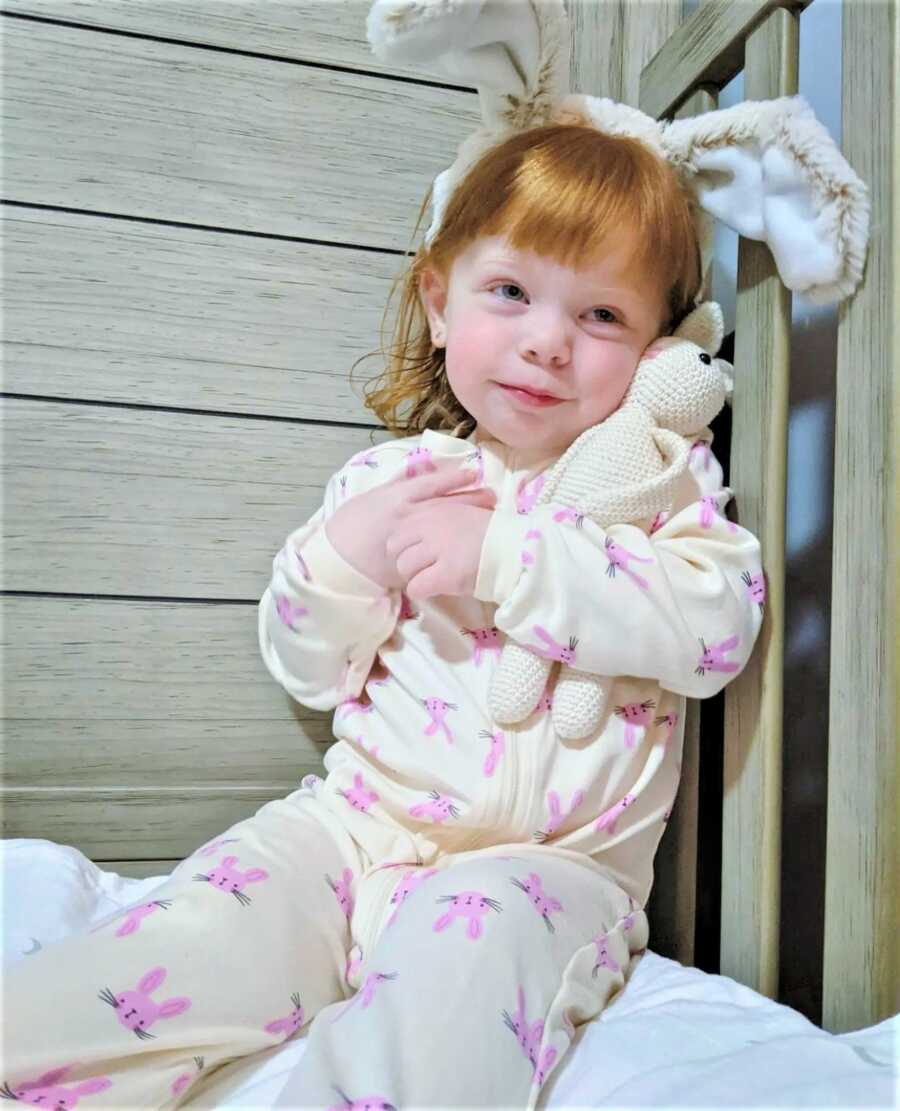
{"type": "Point", "coordinates": [767, 169]}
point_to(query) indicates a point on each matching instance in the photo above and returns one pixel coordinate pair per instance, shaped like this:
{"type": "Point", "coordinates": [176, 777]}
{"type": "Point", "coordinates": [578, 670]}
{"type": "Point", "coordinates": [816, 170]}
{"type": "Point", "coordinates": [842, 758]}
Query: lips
{"type": "Point", "coordinates": [531, 390]}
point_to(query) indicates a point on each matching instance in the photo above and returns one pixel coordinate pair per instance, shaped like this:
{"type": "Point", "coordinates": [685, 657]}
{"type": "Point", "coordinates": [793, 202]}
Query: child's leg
{"type": "Point", "coordinates": [237, 950]}
{"type": "Point", "coordinates": [473, 989]}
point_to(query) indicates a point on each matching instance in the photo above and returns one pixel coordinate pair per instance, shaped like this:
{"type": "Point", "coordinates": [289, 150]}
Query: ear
{"type": "Point", "coordinates": [771, 172]}
{"type": "Point", "coordinates": [433, 295]}
{"type": "Point", "coordinates": [704, 326]}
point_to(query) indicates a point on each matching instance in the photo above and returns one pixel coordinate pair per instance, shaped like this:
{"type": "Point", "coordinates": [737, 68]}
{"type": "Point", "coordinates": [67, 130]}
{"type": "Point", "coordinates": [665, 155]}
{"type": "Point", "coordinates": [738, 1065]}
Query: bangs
{"type": "Point", "coordinates": [564, 190]}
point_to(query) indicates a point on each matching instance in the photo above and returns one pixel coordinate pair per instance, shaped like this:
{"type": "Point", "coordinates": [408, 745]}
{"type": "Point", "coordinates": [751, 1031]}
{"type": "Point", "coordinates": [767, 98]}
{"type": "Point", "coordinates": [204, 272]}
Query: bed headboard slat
{"type": "Point", "coordinates": [861, 975]}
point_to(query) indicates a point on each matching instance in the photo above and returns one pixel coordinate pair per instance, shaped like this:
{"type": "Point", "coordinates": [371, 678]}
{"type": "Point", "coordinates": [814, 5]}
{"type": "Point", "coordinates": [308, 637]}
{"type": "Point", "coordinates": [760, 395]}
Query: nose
{"type": "Point", "coordinates": [546, 341]}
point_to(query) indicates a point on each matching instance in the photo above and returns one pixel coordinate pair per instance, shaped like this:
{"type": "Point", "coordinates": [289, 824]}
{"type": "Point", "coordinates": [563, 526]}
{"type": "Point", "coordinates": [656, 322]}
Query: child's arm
{"type": "Point", "coordinates": [679, 605]}
{"type": "Point", "coordinates": [321, 621]}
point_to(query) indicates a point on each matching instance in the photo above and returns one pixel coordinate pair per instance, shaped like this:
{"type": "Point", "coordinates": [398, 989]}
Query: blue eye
{"type": "Point", "coordinates": [507, 285]}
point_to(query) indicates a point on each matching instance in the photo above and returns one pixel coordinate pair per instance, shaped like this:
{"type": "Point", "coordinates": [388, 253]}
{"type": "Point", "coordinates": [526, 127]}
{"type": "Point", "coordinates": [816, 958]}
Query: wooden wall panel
{"type": "Point", "coordinates": [150, 314]}
{"type": "Point", "coordinates": [165, 131]}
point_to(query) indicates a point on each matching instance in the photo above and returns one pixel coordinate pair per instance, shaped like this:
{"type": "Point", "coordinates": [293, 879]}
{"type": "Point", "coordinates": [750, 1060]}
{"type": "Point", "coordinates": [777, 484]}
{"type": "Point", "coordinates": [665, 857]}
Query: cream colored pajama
{"type": "Point", "coordinates": [454, 897]}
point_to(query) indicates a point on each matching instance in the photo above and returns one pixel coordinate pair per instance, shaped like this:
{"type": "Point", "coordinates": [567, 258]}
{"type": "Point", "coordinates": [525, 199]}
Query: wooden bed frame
{"type": "Point", "coordinates": [166, 357]}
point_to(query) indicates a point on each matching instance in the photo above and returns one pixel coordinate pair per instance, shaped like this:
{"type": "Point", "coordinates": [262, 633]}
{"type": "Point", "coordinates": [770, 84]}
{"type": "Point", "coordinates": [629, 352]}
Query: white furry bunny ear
{"type": "Point", "coordinates": [771, 172]}
{"type": "Point", "coordinates": [514, 52]}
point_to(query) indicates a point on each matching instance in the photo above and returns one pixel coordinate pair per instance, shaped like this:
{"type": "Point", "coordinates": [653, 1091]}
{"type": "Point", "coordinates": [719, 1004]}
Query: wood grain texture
{"type": "Point", "coordinates": [612, 42]}
{"type": "Point", "coordinates": [751, 824]}
{"type": "Point", "coordinates": [144, 314]}
{"type": "Point", "coordinates": [140, 128]}
{"type": "Point", "coordinates": [158, 503]}
{"type": "Point", "coordinates": [861, 976]}
{"type": "Point", "coordinates": [706, 48]}
{"type": "Point", "coordinates": [325, 32]}
{"type": "Point", "coordinates": [161, 822]}
{"type": "Point", "coordinates": [673, 903]}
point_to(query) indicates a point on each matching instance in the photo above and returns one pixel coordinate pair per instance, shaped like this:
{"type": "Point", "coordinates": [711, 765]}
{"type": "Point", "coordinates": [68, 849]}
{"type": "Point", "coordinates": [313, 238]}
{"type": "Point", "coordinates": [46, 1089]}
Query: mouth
{"type": "Point", "coordinates": [529, 397]}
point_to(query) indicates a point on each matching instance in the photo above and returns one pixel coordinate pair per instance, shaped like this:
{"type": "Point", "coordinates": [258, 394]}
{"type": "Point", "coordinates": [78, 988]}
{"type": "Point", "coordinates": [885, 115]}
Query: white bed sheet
{"type": "Point", "coordinates": [675, 1038]}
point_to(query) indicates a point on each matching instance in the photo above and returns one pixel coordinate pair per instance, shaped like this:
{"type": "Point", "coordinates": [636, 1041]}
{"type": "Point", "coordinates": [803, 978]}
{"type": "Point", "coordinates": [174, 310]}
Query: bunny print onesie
{"type": "Point", "coordinates": [455, 897]}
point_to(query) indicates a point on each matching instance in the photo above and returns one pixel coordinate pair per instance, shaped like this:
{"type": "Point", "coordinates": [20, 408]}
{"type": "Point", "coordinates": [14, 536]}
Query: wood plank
{"type": "Point", "coordinates": [861, 967]}
{"type": "Point", "coordinates": [157, 503]}
{"type": "Point", "coordinates": [706, 48]}
{"type": "Point", "coordinates": [112, 310]}
{"type": "Point", "coordinates": [673, 904]}
{"type": "Point", "coordinates": [612, 41]}
{"type": "Point", "coordinates": [221, 140]}
{"type": "Point", "coordinates": [326, 32]}
{"type": "Point", "coordinates": [109, 693]}
{"type": "Point", "coordinates": [116, 824]}
{"type": "Point", "coordinates": [751, 824]}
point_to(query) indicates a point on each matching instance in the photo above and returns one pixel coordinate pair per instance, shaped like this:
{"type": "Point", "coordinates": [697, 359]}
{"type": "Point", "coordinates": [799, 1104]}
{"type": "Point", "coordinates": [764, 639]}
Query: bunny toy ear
{"type": "Point", "coordinates": [705, 326]}
{"type": "Point", "coordinates": [771, 172]}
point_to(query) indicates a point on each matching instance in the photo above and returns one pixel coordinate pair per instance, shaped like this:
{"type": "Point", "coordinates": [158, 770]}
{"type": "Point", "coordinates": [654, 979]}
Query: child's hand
{"type": "Point", "coordinates": [437, 547]}
{"type": "Point", "coordinates": [359, 529]}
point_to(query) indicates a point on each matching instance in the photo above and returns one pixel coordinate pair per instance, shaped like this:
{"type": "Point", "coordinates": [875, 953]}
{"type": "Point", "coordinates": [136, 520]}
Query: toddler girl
{"type": "Point", "coordinates": [454, 899]}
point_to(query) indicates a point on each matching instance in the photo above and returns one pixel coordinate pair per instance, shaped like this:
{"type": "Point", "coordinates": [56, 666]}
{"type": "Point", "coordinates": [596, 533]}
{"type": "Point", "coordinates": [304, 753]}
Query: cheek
{"type": "Point", "coordinates": [469, 356]}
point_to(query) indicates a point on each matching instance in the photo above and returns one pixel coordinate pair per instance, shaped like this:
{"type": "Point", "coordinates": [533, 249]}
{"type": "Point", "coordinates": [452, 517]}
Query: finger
{"type": "Point", "coordinates": [439, 482]}
{"type": "Point", "coordinates": [424, 584]}
{"type": "Point", "coordinates": [412, 561]}
{"type": "Point", "coordinates": [484, 496]}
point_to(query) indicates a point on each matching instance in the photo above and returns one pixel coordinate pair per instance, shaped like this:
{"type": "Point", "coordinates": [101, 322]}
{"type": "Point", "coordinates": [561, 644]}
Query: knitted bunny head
{"type": "Point", "coordinates": [679, 381]}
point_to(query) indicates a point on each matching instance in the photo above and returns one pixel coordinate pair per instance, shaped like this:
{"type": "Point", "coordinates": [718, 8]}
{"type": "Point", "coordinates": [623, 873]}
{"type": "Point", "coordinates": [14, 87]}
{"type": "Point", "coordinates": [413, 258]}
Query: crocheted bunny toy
{"type": "Point", "coordinates": [623, 470]}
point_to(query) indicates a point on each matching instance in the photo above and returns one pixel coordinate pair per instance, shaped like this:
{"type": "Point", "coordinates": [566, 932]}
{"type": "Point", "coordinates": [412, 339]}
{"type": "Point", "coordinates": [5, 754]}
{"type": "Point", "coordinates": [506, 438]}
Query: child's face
{"type": "Point", "coordinates": [516, 319]}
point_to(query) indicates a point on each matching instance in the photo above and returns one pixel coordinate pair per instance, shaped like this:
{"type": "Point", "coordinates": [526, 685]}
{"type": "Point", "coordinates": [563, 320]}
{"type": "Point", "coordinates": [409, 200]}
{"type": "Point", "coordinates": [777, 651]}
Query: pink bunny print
{"type": "Point", "coordinates": [471, 905]}
{"type": "Point", "coordinates": [670, 720]}
{"type": "Point", "coordinates": [567, 513]}
{"type": "Point", "coordinates": [527, 494]}
{"type": "Point", "coordinates": [607, 820]}
{"type": "Point", "coordinates": [290, 1023]}
{"type": "Point", "coordinates": [419, 459]}
{"type": "Point", "coordinates": [135, 1010]}
{"type": "Point", "coordinates": [440, 808]}
{"type": "Point", "coordinates": [437, 710]}
{"type": "Point", "coordinates": [527, 555]}
{"type": "Point", "coordinates": [359, 796]}
{"type": "Point", "coordinates": [498, 746]}
{"type": "Point", "coordinates": [557, 817]}
{"type": "Point", "coordinates": [365, 459]}
{"type": "Point", "coordinates": [486, 639]}
{"type": "Point", "coordinates": [367, 992]}
{"type": "Point", "coordinates": [210, 847]}
{"type": "Point", "coordinates": [544, 904]}
{"type": "Point", "coordinates": [604, 960]}
{"type": "Point", "coordinates": [341, 890]}
{"type": "Point", "coordinates": [48, 1092]}
{"type": "Point", "coordinates": [703, 448]}
{"type": "Point", "coordinates": [407, 610]}
{"type": "Point", "coordinates": [476, 458]}
{"type": "Point", "coordinates": [187, 1078]}
{"type": "Point", "coordinates": [226, 877]}
{"type": "Point", "coordinates": [301, 563]}
{"type": "Point", "coordinates": [405, 888]}
{"type": "Point", "coordinates": [756, 588]}
{"type": "Point", "coordinates": [288, 613]}
{"type": "Point", "coordinates": [659, 520]}
{"type": "Point", "coordinates": [713, 658]}
{"type": "Point", "coordinates": [355, 706]}
{"type": "Point", "coordinates": [637, 718]}
{"type": "Point", "coordinates": [134, 916]}
{"type": "Point", "coordinates": [709, 511]}
{"type": "Point", "coordinates": [619, 558]}
{"type": "Point", "coordinates": [367, 1103]}
{"type": "Point", "coordinates": [552, 650]}
{"type": "Point", "coordinates": [529, 1036]}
